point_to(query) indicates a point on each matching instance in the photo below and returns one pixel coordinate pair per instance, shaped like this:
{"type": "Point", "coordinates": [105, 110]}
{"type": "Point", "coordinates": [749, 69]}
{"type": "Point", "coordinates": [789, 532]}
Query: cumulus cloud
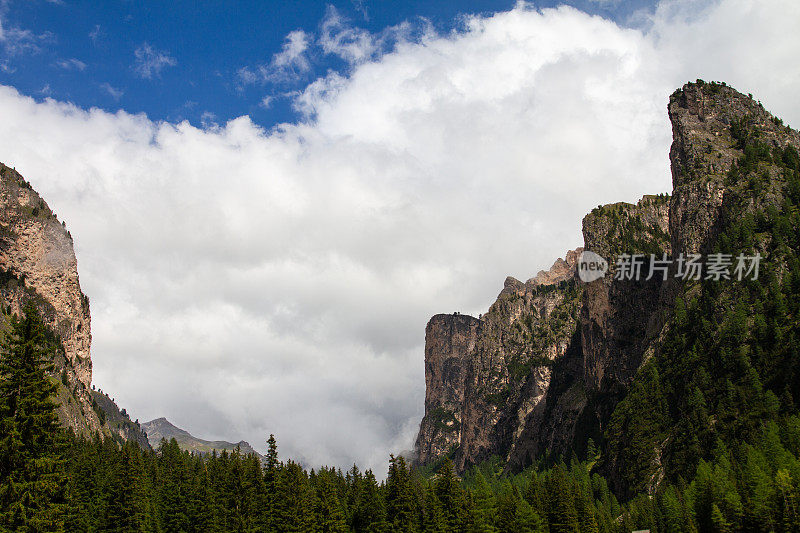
{"type": "Point", "coordinates": [336, 37]}
{"type": "Point", "coordinates": [246, 281]}
{"type": "Point", "coordinates": [149, 62]}
{"type": "Point", "coordinates": [350, 43]}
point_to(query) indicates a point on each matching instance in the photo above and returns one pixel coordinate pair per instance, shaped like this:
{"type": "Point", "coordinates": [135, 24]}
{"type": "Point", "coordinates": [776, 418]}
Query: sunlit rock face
{"type": "Point", "coordinates": [547, 364]}
{"type": "Point", "coordinates": [38, 265]}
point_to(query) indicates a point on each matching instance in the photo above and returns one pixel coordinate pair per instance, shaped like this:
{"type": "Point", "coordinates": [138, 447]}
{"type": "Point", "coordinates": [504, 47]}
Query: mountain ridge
{"type": "Point", "coordinates": [161, 428]}
{"type": "Point", "coordinates": [551, 369]}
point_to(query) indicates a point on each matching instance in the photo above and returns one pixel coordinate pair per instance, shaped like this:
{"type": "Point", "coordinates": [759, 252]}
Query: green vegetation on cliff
{"type": "Point", "coordinates": [718, 404]}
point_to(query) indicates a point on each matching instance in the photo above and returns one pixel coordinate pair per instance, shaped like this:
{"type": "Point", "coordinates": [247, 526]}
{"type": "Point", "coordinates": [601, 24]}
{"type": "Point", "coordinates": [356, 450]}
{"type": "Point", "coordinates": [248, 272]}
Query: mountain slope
{"type": "Point", "coordinates": [38, 264]}
{"type": "Point", "coordinates": [657, 372]}
{"type": "Point", "coordinates": [161, 428]}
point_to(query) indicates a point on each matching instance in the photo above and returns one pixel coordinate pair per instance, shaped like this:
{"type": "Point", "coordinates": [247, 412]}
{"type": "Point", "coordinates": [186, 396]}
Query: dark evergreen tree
{"type": "Point", "coordinates": [126, 507]}
{"type": "Point", "coordinates": [401, 508]}
{"type": "Point", "coordinates": [32, 445]}
{"type": "Point", "coordinates": [449, 495]}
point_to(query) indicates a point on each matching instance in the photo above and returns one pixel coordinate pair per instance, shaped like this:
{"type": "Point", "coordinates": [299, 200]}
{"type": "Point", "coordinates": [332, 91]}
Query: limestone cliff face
{"type": "Point", "coordinates": [485, 376]}
{"type": "Point", "coordinates": [620, 318]}
{"type": "Point", "coordinates": [38, 264]}
{"type": "Point", "coordinates": [616, 323]}
{"type": "Point", "coordinates": [530, 371]}
{"type": "Point", "coordinates": [448, 341]}
{"type": "Point", "coordinates": [553, 356]}
{"type": "Point", "coordinates": [36, 247]}
{"type": "Point", "coordinates": [705, 119]}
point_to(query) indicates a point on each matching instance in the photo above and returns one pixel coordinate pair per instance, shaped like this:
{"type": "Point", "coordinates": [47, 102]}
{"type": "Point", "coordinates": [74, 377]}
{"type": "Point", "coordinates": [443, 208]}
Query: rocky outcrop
{"type": "Point", "coordinates": [488, 375]}
{"type": "Point", "coordinates": [617, 320]}
{"type": "Point", "coordinates": [553, 356]}
{"type": "Point", "coordinates": [620, 317]}
{"type": "Point", "coordinates": [38, 265]}
{"type": "Point", "coordinates": [37, 249]}
{"type": "Point", "coordinates": [448, 341]}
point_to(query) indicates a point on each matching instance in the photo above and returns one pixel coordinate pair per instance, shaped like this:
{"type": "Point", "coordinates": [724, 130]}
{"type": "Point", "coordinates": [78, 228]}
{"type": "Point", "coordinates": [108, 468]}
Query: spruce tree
{"type": "Point", "coordinates": [369, 506]}
{"type": "Point", "coordinates": [483, 508]}
{"type": "Point", "coordinates": [126, 506]}
{"type": "Point", "coordinates": [401, 508]}
{"type": "Point", "coordinates": [563, 516]}
{"type": "Point", "coordinates": [433, 518]}
{"type": "Point", "coordinates": [32, 445]}
{"type": "Point", "coordinates": [271, 469]}
{"type": "Point", "coordinates": [329, 513]}
{"type": "Point", "coordinates": [448, 492]}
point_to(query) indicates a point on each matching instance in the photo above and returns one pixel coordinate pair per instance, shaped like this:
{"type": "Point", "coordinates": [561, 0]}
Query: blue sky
{"type": "Point", "coordinates": [247, 279]}
{"type": "Point", "coordinates": [190, 53]}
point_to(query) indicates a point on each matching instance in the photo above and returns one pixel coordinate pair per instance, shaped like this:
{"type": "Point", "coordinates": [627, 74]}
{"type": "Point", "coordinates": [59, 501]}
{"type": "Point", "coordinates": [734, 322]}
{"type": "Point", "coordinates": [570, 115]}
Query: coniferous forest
{"type": "Point", "coordinates": [51, 480]}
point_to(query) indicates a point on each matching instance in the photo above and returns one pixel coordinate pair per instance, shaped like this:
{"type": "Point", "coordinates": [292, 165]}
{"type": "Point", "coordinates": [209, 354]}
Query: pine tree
{"type": "Point", "coordinates": [563, 516]}
{"type": "Point", "coordinates": [401, 507]}
{"type": "Point", "coordinates": [329, 512]}
{"type": "Point", "coordinates": [199, 500]}
{"type": "Point", "coordinates": [172, 487]}
{"type": "Point", "coordinates": [32, 445]}
{"type": "Point", "coordinates": [271, 469]}
{"type": "Point", "coordinates": [369, 507]}
{"type": "Point", "coordinates": [126, 508]}
{"type": "Point", "coordinates": [483, 506]}
{"type": "Point", "coordinates": [294, 509]}
{"type": "Point", "coordinates": [528, 521]}
{"type": "Point", "coordinates": [448, 492]}
{"type": "Point", "coordinates": [433, 518]}
{"type": "Point", "coordinates": [83, 461]}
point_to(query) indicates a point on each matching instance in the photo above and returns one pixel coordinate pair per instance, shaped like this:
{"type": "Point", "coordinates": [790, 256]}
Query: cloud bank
{"type": "Point", "coordinates": [246, 282]}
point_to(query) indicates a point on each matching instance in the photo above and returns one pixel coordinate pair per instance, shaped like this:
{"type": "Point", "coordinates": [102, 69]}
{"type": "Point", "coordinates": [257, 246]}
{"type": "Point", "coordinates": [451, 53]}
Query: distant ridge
{"type": "Point", "coordinates": [161, 428]}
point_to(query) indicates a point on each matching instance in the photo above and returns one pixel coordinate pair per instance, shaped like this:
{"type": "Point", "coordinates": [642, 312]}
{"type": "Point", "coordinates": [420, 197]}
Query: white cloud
{"type": "Point", "coordinates": [112, 91]}
{"type": "Point", "coordinates": [287, 65]}
{"type": "Point", "coordinates": [71, 64]}
{"type": "Point", "coordinates": [267, 101]}
{"type": "Point", "coordinates": [338, 37]}
{"type": "Point", "coordinates": [245, 282]}
{"type": "Point", "coordinates": [361, 7]}
{"type": "Point", "coordinates": [96, 34]}
{"type": "Point", "coordinates": [15, 41]}
{"type": "Point", "coordinates": [149, 62]}
{"type": "Point", "coordinates": [292, 56]}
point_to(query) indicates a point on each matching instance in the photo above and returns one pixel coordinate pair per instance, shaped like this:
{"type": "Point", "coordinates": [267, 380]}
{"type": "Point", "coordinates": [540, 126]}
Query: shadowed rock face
{"type": "Point", "coordinates": [552, 357]}
{"type": "Point", "coordinates": [448, 340]}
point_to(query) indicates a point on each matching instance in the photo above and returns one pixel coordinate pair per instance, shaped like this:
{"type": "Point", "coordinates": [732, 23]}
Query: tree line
{"type": "Point", "coordinates": [51, 480]}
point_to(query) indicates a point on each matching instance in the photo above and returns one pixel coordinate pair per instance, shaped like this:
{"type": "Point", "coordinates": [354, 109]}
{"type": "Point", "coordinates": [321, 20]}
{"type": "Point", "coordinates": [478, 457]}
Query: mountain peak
{"type": "Point", "coordinates": [161, 428]}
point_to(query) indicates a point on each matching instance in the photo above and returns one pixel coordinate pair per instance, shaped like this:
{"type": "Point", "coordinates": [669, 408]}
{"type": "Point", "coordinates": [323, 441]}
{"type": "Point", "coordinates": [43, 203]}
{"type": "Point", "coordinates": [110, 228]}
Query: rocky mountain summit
{"type": "Point", "coordinates": [161, 428]}
{"type": "Point", "coordinates": [545, 371]}
{"type": "Point", "coordinates": [38, 265]}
